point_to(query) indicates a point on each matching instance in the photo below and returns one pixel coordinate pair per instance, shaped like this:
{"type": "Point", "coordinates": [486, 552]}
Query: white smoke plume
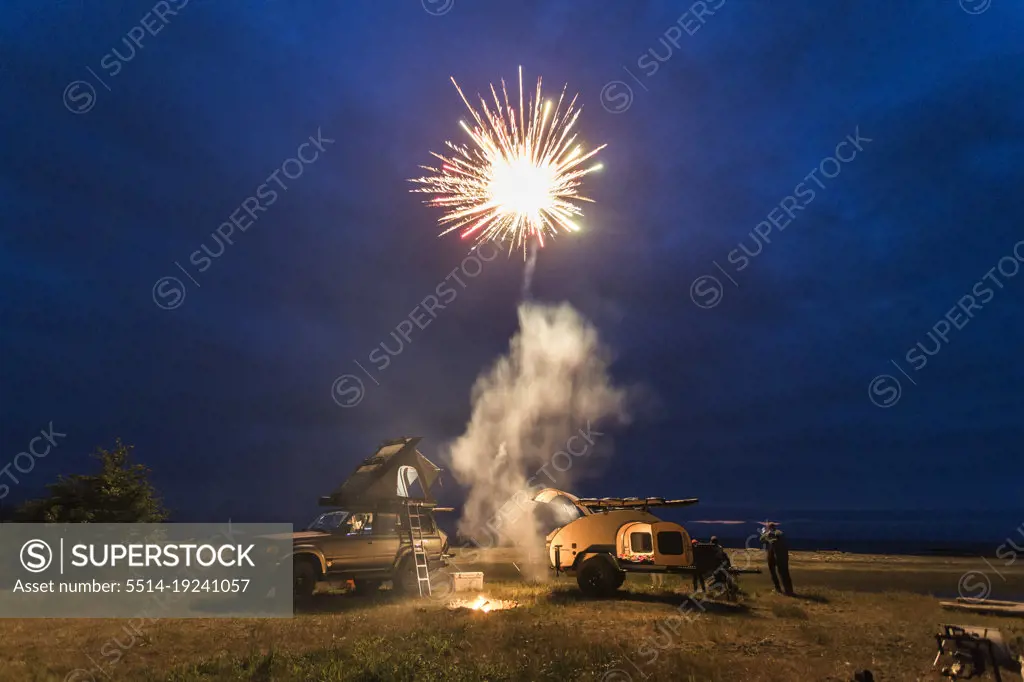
{"type": "Point", "coordinates": [552, 384]}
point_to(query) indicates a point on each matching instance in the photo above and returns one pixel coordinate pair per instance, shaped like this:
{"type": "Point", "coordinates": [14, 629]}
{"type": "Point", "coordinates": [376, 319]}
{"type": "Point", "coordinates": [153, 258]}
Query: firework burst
{"type": "Point", "coordinates": [519, 180]}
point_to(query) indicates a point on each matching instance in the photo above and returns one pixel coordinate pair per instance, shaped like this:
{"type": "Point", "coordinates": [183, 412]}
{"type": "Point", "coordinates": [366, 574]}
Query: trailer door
{"type": "Point", "coordinates": [671, 545]}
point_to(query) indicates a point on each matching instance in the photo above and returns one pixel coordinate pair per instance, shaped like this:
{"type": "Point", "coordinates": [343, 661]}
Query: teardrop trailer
{"type": "Point", "coordinates": [613, 536]}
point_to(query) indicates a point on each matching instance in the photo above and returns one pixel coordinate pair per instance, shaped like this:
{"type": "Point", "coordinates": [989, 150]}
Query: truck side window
{"type": "Point", "coordinates": [426, 523]}
{"type": "Point", "coordinates": [358, 524]}
{"type": "Point", "coordinates": [386, 524]}
{"type": "Point", "coordinates": [329, 522]}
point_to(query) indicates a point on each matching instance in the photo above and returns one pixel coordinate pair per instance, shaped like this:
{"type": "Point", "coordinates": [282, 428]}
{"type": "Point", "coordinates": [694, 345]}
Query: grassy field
{"type": "Point", "coordinates": [852, 612]}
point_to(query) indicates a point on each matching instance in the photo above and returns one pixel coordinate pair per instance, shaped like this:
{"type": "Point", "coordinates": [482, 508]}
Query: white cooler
{"type": "Point", "coordinates": [468, 582]}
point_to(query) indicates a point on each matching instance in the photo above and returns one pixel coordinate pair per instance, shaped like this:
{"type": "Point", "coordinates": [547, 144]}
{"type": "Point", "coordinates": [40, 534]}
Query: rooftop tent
{"type": "Point", "coordinates": [387, 476]}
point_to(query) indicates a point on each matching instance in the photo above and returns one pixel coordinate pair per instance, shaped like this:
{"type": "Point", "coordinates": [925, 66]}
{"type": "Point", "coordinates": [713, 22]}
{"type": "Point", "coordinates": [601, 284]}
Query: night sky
{"type": "Point", "coordinates": [756, 388]}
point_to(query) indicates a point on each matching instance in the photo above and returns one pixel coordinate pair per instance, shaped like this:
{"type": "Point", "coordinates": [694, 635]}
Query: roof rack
{"type": "Point", "coordinates": [399, 502]}
{"type": "Point", "coordinates": [633, 502]}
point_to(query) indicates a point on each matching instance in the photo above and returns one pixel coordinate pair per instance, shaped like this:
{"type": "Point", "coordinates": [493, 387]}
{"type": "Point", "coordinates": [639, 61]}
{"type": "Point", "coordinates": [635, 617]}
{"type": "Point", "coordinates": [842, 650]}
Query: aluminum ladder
{"type": "Point", "coordinates": [419, 553]}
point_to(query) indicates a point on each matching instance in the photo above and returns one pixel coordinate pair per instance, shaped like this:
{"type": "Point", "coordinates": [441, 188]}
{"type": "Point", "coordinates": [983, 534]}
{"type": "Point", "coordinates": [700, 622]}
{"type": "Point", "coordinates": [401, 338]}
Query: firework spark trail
{"type": "Point", "coordinates": [519, 181]}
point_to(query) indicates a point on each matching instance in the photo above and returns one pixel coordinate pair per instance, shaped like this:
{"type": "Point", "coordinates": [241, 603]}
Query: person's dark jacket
{"type": "Point", "coordinates": [705, 558]}
{"type": "Point", "coordinates": [776, 545]}
{"type": "Point", "coordinates": [721, 557]}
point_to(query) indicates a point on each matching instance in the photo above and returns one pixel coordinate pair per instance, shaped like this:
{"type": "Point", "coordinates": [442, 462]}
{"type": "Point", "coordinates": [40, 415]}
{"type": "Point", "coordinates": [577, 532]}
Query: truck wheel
{"type": "Point", "coordinates": [598, 577]}
{"type": "Point", "coordinates": [404, 580]}
{"type": "Point", "coordinates": [304, 577]}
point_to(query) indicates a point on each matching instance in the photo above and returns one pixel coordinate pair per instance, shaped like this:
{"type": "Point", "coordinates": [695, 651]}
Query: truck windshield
{"type": "Point", "coordinates": [328, 522]}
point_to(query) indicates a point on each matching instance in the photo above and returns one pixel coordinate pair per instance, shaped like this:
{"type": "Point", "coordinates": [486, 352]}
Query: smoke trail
{"type": "Point", "coordinates": [552, 383]}
{"type": "Point", "coordinates": [531, 264]}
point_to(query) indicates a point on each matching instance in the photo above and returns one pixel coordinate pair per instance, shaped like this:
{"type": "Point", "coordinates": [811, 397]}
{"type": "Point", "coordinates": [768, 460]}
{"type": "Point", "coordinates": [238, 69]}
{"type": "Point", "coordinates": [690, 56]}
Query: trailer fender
{"type": "Point", "coordinates": [596, 550]}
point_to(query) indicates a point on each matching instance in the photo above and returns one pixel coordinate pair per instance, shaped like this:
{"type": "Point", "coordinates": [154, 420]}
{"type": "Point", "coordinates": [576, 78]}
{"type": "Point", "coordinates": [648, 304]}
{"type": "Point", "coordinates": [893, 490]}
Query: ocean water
{"type": "Point", "coordinates": [970, 533]}
{"type": "Point", "coordinates": [918, 532]}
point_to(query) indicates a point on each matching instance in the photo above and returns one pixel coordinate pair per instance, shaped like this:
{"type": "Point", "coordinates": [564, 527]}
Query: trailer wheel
{"type": "Point", "coordinates": [598, 577]}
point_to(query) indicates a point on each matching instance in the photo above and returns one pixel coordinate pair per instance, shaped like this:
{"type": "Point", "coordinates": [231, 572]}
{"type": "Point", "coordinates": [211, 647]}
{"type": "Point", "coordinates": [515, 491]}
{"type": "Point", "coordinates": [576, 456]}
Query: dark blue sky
{"type": "Point", "coordinates": [762, 399]}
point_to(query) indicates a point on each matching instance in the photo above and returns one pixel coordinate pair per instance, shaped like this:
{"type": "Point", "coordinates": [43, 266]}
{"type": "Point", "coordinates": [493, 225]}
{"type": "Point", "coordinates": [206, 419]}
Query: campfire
{"type": "Point", "coordinates": [482, 603]}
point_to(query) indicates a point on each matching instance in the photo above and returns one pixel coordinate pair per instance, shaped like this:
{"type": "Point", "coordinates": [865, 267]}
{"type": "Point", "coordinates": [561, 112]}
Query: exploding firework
{"type": "Point", "coordinates": [519, 180]}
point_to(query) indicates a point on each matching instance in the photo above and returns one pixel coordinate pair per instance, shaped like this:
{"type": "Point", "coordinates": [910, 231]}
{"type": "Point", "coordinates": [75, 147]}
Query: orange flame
{"type": "Point", "coordinates": [482, 603]}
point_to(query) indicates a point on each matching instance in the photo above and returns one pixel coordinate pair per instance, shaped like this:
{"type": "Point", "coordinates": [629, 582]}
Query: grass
{"type": "Point", "coordinates": [410, 656]}
{"type": "Point", "coordinates": [789, 611]}
{"type": "Point", "coordinates": [826, 633]}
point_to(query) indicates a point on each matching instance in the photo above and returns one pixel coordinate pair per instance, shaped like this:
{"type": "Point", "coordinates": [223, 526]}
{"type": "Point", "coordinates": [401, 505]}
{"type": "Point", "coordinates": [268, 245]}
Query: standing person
{"type": "Point", "coordinates": [720, 555]}
{"type": "Point", "coordinates": [722, 577]}
{"type": "Point", "coordinates": [777, 551]}
{"type": "Point", "coordinates": [698, 564]}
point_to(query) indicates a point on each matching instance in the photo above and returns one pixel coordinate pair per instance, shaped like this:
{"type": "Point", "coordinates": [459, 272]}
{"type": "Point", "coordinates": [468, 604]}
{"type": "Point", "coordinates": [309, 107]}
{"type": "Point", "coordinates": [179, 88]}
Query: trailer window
{"type": "Point", "coordinates": [640, 542]}
{"type": "Point", "coordinates": [670, 542]}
